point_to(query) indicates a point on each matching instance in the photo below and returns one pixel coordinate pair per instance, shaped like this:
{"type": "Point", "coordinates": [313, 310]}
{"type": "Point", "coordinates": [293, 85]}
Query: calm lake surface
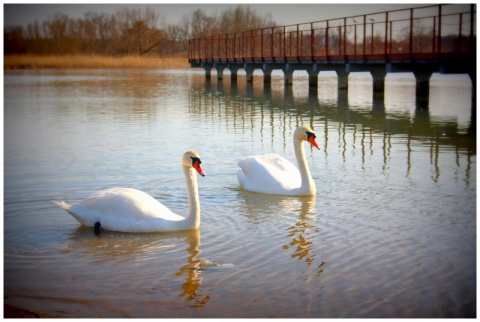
{"type": "Point", "coordinates": [391, 231]}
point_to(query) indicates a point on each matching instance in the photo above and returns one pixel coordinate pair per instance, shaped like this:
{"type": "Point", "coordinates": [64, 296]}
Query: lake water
{"type": "Point", "coordinates": [391, 231]}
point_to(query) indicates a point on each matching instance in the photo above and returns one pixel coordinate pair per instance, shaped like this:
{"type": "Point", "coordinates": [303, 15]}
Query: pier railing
{"type": "Point", "coordinates": [436, 32]}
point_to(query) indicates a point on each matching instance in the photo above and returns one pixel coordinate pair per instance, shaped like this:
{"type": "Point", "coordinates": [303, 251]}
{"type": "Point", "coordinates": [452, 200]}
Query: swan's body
{"type": "Point", "coordinates": [131, 210]}
{"type": "Point", "coordinates": [273, 174]}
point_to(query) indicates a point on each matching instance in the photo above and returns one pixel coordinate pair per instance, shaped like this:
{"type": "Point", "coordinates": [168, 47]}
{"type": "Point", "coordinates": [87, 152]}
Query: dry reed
{"type": "Point", "coordinates": [90, 61]}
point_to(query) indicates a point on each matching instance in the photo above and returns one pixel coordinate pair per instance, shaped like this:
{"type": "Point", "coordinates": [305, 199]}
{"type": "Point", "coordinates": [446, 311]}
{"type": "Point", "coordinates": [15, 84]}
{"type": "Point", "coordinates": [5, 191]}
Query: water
{"type": "Point", "coordinates": [391, 231]}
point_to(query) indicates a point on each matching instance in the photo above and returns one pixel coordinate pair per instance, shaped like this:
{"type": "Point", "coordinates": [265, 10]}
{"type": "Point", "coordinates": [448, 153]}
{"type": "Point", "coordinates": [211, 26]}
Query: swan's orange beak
{"type": "Point", "coordinates": [312, 141]}
{"type": "Point", "coordinates": [198, 167]}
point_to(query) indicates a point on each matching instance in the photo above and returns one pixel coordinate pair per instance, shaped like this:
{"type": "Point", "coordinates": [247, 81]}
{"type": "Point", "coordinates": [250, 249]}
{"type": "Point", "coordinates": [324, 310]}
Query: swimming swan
{"type": "Point", "coordinates": [273, 174]}
{"type": "Point", "coordinates": [131, 210]}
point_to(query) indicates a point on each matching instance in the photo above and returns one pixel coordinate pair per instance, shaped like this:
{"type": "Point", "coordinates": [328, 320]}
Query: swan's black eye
{"type": "Point", "coordinates": [195, 160]}
{"type": "Point", "coordinates": [309, 134]}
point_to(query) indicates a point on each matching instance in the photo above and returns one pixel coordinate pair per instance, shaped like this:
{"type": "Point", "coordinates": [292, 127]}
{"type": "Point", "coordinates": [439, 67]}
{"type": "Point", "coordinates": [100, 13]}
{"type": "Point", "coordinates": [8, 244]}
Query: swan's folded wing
{"type": "Point", "coordinates": [262, 173]}
{"type": "Point", "coordinates": [123, 202]}
{"type": "Point", "coordinates": [279, 163]}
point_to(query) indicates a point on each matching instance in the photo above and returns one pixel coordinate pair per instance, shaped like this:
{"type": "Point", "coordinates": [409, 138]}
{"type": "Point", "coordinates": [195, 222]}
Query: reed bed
{"type": "Point", "coordinates": [90, 61]}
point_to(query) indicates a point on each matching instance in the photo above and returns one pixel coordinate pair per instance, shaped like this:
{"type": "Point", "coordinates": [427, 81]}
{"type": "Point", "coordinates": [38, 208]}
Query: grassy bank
{"type": "Point", "coordinates": [91, 61]}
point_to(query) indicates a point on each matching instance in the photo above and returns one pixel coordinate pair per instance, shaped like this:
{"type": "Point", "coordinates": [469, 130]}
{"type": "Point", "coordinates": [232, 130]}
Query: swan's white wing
{"type": "Point", "coordinates": [121, 209]}
{"type": "Point", "coordinates": [279, 163]}
{"type": "Point", "coordinates": [269, 173]}
{"type": "Point", "coordinates": [124, 202]}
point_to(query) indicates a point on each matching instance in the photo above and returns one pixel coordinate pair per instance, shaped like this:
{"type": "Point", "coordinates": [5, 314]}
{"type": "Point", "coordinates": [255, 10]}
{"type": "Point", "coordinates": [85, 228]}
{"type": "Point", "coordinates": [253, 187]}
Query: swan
{"type": "Point", "coordinates": [273, 174]}
{"type": "Point", "coordinates": [132, 210]}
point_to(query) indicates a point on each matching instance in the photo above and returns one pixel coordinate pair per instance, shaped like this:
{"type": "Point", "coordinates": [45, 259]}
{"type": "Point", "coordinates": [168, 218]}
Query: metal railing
{"type": "Point", "coordinates": [445, 31]}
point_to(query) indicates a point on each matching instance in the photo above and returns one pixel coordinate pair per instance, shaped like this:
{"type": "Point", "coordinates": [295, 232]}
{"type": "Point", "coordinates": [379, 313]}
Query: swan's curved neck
{"type": "Point", "coordinates": [193, 216]}
{"type": "Point", "coordinates": [308, 186]}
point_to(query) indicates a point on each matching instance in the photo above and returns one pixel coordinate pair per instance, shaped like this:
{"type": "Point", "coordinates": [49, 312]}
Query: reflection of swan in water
{"type": "Point", "coordinates": [137, 248]}
{"type": "Point", "coordinates": [118, 246]}
{"type": "Point", "coordinates": [256, 204]}
{"type": "Point", "coordinates": [192, 271]}
{"type": "Point", "coordinates": [299, 234]}
{"type": "Point", "coordinates": [298, 231]}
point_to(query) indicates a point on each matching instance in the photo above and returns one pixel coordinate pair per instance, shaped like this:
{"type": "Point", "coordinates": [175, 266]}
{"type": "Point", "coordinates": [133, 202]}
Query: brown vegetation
{"type": "Point", "coordinates": [126, 32]}
{"type": "Point", "coordinates": [129, 38]}
{"type": "Point", "coordinates": [91, 61]}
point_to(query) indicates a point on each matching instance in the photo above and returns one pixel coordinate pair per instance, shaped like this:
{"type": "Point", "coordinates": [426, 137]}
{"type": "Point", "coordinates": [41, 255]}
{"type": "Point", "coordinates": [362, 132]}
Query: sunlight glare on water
{"type": "Point", "coordinates": [391, 231]}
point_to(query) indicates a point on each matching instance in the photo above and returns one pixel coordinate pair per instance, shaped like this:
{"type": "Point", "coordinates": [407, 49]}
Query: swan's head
{"type": "Point", "coordinates": [305, 133]}
{"type": "Point", "coordinates": [191, 159]}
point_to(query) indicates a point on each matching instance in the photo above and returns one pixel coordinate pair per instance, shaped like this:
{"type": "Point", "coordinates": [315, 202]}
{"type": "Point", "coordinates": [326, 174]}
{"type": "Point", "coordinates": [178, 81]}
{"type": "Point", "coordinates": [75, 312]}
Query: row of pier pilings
{"type": "Point", "coordinates": [421, 71]}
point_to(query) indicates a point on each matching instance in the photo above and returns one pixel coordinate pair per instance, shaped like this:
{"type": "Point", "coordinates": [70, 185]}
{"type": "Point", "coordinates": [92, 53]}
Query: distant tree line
{"type": "Point", "coordinates": [127, 31]}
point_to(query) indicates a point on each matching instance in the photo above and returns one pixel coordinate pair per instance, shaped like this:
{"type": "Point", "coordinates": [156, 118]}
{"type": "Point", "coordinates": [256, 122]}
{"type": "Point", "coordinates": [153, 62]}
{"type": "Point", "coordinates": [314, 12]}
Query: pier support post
{"type": "Point", "coordinates": [473, 78]}
{"type": "Point", "coordinates": [288, 77]}
{"type": "Point", "coordinates": [313, 77]}
{"type": "Point", "coordinates": [342, 100]}
{"type": "Point", "coordinates": [208, 71]}
{"type": "Point", "coordinates": [422, 79]}
{"type": "Point", "coordinates": [249, 71]}
{"type": "Point", "coordinates": [219, 73]}
{"type": "Point", "coordinates": [313, 92]}
{"type": "Point", "coordinates": [472, 130]}
{"type": "Point", "coordinates": [234, 73]}
{"type": "Point", "coordinates": [288, 96]}
{"type": "Point", "coordinates": [342, 77]}
{"type": "Point", "coordinates": [378, 107]}
{"type": "Point", "coordinates": [267, 76]}
{"type": "Point", "coordinates": [288, 74]}
{"type": "Point", "coordinates": [378, 75]}
{"type": "Point", "coordinates": [220, 68]}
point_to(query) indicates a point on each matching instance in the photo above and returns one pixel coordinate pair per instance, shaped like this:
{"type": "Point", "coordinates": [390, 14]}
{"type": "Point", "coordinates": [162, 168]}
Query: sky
{"type": "Point", "coordinates": [284, 13]}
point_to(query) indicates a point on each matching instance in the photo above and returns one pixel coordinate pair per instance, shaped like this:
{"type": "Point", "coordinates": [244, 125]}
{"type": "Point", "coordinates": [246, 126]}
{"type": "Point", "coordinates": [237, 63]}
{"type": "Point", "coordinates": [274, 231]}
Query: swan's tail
{"type": "Point", "coordinates": [86, 217]}
{"type": "Point", "coordinates": [67, 208]}
{"type": "Point", "coordinates": [62, 205]}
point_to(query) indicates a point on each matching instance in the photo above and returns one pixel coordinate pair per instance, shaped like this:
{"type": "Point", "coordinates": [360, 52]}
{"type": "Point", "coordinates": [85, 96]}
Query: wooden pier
{"type": "Point", "coordinates": [422, 40]}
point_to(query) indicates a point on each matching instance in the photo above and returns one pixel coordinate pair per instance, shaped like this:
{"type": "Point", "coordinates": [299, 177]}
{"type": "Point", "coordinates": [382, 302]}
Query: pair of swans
{"type": "Point", "coordinates": [131, 210]}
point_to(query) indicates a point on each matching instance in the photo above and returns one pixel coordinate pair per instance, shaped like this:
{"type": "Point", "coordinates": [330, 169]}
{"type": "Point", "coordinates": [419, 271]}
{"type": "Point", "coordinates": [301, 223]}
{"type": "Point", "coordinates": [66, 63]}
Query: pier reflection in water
{"type": "Point", "coordinates": [397, 114]}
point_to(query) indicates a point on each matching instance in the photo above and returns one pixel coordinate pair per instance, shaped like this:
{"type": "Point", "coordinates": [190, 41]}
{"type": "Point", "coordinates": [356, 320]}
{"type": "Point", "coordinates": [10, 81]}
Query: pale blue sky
{"type": "Point", "coordinates": [283, 13]}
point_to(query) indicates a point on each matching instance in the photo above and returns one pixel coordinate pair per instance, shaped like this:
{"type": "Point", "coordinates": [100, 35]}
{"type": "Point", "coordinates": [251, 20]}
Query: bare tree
{"type": "Point", "coordinates": [200, 24]}
{"type": "Point", "coordinates": [242, 18]}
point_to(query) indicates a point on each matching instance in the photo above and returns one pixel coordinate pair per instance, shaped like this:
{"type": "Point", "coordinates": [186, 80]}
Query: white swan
{"type": "Point", "coordinates": [131, 210]}
{"type": "Point", "coordinates": [273, 174]}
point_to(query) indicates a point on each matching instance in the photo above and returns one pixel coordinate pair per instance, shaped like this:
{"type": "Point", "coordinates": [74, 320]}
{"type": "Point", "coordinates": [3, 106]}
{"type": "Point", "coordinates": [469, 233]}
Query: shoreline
{"type": "Point", "coordinates": [11, 311]}
{"type": "Point", "coordinates": [29, 61]}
